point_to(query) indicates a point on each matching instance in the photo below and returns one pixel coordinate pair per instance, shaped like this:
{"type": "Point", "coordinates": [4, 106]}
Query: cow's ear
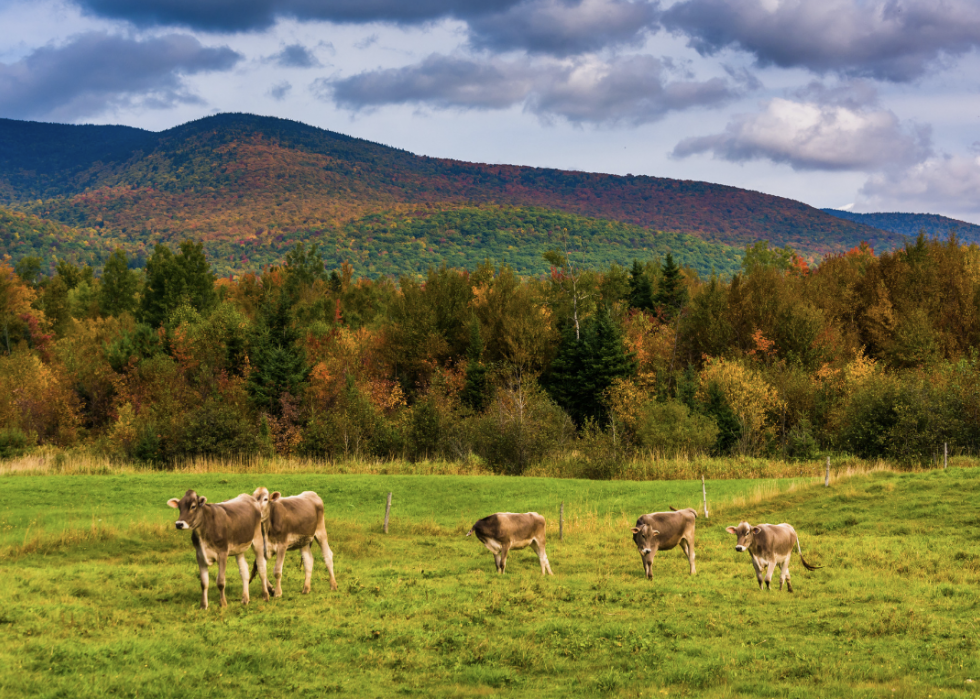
{"type": "Point", "coordinates": [174, 503]}
{"type": "Point", "coordinates": [635, 530]}
{"type": "Point", "coordinates": [275, 496]}
{"type": "Point", "coordinates": [201, 500]}
{"type": "Point", "coordinates": [655, 532]}
{"type": "Point", "coordinates": [731, 530]}
{"type": "Point", "coordinates": [756, 530]}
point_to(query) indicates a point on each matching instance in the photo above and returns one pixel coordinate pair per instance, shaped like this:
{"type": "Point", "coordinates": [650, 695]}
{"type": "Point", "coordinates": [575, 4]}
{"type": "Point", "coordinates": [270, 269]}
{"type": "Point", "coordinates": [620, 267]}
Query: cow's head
{"type": "Point", "coordinates": [190, 509]}
{"type": "Point", "coordinates": [745, 533]}
{"type": "Point", "coordinates": [264, 499]}
{"type": "Point", "coordinates": [645, 538]}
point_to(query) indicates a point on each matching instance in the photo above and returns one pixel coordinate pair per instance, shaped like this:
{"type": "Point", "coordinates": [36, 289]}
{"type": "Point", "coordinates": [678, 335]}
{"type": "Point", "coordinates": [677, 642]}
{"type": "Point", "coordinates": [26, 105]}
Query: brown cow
{"type": "Point", "coordinates": [662, 531]}
{"type": "Point", "coordinates": [293, 523]}
{"type": "Point", "coordinates": [504, 531]}
{"type": "Point", "coordinates": [228, 528]}
{"type": "Point", "coordinates": [769, 545]}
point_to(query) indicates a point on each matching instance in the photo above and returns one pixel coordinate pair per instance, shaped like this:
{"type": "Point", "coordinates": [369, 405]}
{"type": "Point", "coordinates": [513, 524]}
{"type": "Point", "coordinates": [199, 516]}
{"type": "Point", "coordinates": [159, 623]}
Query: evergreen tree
{"type": "Point", "coordinates": [641, 290]}
{"type": "Point", "coordinates": [278, 363]}
{"type": "Point", "coordinates": [117, 293]}
{"type": "Point", "coordinates": [476, 390]}
{"type": "Point", "coordinates": [586, 367]}
{"type": "Point", "coordinates": [172, 280]}
{"type": "Point", "coordinates": [671, 293]}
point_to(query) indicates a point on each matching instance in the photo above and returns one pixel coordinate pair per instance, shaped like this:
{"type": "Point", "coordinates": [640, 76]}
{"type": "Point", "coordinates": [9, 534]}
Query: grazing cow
{"type": "Point", "coordinates": [662, 531]}
{"type": "Point", "coordinates": [508, 530]}
{"type": "Point", "coordinates": [293, 523]}
{"type": "Point", "coordinates": [769, 545]}
{"type": "Point", "coordinates": [228, 528]}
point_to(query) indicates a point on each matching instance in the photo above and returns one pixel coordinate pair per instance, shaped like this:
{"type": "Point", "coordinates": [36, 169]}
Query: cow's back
{"type": "Point", "coordinates": [229, 526]}
{"type": "Point", "coordinates": [774, 540]}
{"type": "Point", "coordinates": [296, 515]}
{"type": "Point", "coordinates": [671, 525]}
{"type": "Point", "coordinates": [514, 529]}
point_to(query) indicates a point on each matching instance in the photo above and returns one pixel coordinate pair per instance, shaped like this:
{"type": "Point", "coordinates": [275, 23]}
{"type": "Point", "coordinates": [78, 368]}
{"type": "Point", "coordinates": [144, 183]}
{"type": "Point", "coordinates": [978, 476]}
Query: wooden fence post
{"type": "Point", "coordinates": [561, 521]}
{"type": "Point", "coordinates": [826, 480]}
{"type": "Point", "coordinates": [704, 494]}
{"type": "Point", "coordinates": [945, 455]}
{"type": "Point", "coordinates": [387, 512]}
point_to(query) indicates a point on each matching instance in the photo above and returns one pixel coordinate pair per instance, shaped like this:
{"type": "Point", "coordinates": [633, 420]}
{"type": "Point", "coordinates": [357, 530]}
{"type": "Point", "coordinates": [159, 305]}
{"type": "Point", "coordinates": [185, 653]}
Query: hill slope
{"type": "Point", "coordinates": [234, 178]}
{"type": "Point", "coordinates": [909, 225]}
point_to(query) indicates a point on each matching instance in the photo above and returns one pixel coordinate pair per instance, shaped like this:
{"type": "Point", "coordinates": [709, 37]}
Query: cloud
{"type": "Point", "coordinates": [295, 56]}
{"type": "Point", "coordinates": [279, 91]}
{"type": "Point", "coordinates": [631, 90]}
{"type": "Point", "coordinates": [943, 183]}
{"type": "Point", "coordinates": [895, 40]}
{"type": "Point", "coordinates": [563, 27]}
{"type": "Point", "coordinates": [822, 129]}
{"type": "Point", "coordinates": [252, 15]}
{"type": "Point", "coordinates": [97, 71]}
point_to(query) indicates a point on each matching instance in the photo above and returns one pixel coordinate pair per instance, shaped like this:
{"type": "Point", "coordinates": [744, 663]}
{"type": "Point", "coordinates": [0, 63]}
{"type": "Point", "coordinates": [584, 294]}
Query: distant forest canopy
{"type": "Point", "coordinates": [864, 353]}
{"type": "Point", "coordinates": [393, 242]}
{"type": "Point", "coordinates": [248, 186]}
{"type": "Point", "coordinates": [910, 225]}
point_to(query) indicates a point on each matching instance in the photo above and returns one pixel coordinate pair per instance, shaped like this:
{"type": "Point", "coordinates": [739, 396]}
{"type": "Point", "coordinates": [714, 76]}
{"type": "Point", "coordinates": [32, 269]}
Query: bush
{"type": "Point", "coordinates": [14, 442]}
{"type": "Point", "coordinates": [671, 428]}
{"type": "Point", "coordinates": [219, 429]}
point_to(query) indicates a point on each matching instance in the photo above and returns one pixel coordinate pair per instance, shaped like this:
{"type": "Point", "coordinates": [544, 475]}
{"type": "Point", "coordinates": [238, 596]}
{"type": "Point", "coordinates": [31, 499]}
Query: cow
{"type": "Point", "coordinates": [769, 545]}
{"type": "Point", "coordinates": [293, 523]}
{"type": "Point", "coordinates": [662, 531]}
{"type": "Point", "coordinates": [217, 531]}
{"type": "Point", "coordinates": [504, 531]}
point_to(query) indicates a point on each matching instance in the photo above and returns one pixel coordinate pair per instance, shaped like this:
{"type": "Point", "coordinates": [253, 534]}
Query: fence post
{"type": "Point", "coordinates": [704, 494]}
{"type": "Point", "coordinates": [387, 512]}
{"type": "Point", "coordinates": [561, 521]}
{"type": "Point", "coordinates": [945, 455]}
{"type": "Point", "coordinates": [826, 480]}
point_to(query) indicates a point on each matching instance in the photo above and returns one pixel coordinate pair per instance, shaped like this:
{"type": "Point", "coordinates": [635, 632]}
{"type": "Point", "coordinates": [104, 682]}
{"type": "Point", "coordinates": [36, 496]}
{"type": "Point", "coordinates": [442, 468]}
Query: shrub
{"type": "Point", "coordinates": [670, 427]}
{"type": "Point", "coordinates": [14, 442]}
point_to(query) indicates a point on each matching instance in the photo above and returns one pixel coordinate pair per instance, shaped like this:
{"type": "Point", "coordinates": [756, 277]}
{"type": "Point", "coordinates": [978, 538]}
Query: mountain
{"type": "Point", "coordinates": [909, 225]}
{"type": "Point", "coordinates": [250, 186]}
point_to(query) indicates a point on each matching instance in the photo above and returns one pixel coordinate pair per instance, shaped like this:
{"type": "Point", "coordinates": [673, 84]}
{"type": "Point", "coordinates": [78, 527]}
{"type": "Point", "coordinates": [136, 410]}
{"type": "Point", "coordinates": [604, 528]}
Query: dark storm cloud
{"type": "Point", "coordinates": [249, 15]}
{"type": "Point", "coordinates": [631, 90]}
{"type": "Point", "coordinates": [896, 40]}
{"type": "Point", "coordinates": [564, 28]}
{"type": "Point", "coordinates": [822, 128]}
{"type": "Point", "coordinates": [279, 91]}
{"type": "Point", "coordinates": [295, 56]}
{"type": "Point", "coordinates": [97, 71]}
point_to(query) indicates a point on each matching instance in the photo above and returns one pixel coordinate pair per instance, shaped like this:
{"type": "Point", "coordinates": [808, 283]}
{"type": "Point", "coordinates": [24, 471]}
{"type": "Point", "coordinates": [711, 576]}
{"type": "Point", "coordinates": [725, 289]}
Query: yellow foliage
{"type": "Point", "coordinates": [752, 399]}
{"type": "Point", "coordinates": [626, 397]}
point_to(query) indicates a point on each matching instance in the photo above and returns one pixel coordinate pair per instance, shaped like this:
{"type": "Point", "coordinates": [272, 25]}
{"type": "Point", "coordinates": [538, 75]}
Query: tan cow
{"type": "Point", "coordinates": [662, 531]}
{"type": "Point", "coordinates": [228, 528]}
{"type": "Point", "coordinates": [293, 523]}
{"type": "Point", "coordinates": [769, 545]}
{"type": "Point", "coordinates": [508, 530]}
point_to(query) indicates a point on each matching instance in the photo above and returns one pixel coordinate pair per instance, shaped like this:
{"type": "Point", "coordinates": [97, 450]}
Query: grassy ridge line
{"type": "Point", "coordinates": [49, 507]}
{"type": "Point", "coordinates": [892, 614]}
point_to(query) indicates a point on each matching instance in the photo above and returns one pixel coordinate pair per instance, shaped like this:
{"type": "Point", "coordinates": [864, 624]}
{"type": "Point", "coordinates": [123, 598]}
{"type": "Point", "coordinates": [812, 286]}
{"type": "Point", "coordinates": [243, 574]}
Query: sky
{"type": "Point", "coordinates": [865, 105]}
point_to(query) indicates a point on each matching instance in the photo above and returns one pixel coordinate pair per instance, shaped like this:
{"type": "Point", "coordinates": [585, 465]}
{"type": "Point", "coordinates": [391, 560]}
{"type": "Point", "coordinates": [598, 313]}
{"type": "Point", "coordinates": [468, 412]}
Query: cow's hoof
{"type": "Point", "coordinates": [306, 591]}
{"type": "Point", "coordinates": [271, 591]}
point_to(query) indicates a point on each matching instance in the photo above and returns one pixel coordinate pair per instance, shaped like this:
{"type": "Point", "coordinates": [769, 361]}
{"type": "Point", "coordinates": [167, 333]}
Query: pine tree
{"type": "Point", "coordinates": [278, 363]}
{"type": "Point", "coordinates": [117, 292]}
{"type": "Point", "coordinates": [476, 390]}
{"type": "Point", "coordinates": [172, 280]}
{"type": "Point", "coordinates": [585, 368]}
{"type": "Point", "coordinates": [671, 293]}
{"type": "Point", "coordinates": [641, 290]}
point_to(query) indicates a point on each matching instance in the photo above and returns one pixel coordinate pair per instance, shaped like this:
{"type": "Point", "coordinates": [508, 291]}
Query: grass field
{"type": "Point", "coordinates": [101, 593]}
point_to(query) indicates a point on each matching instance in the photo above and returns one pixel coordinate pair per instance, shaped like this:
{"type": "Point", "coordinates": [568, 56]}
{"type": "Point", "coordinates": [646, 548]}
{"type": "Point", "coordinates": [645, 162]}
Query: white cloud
{"type": "Point", "coordinates": [949, 183]}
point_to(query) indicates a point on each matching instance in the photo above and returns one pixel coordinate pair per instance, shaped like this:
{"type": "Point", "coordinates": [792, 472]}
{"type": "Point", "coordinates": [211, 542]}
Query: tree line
{"type": "Point", "coordinates": [864, 354]}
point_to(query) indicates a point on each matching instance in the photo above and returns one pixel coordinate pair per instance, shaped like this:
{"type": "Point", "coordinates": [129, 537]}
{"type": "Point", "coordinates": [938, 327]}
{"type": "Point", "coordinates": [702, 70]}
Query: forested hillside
{"type": "Point", "coordinates": [909, 225]}
{"type": "Point", "coordinates": [248, 187]}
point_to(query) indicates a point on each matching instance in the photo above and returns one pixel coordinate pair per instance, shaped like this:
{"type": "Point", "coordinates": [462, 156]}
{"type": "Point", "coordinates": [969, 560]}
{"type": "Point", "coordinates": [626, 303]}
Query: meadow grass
{"type": "Point", "coordinates": [101, 592]}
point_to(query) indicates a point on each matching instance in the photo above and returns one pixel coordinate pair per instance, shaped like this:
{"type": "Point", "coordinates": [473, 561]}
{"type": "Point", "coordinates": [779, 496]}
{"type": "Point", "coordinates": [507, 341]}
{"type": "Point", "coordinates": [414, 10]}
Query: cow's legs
{"type": "Point", "coordinates": [222, 562]}
{"type": "Point", "coordinates": [321, 538]}
{"type": "Point", "coordinates": [769, 570]}
{"type": "Point", "coordinates": [243, 570]}
{"type": "Point", "coordinates": [784, 575]}
{"type": "Point", "coordinates": [503, 559]}
{"type": "Point", "coordinates": [280, 560]}
{"type": "Point", "coordinates": [307, 556]}
{"type": "Point", "coordinates": [757, 564]}
{"type": "Point", "coordinates": [542, 556]}
{"type": "Point", "coordinates": [202, 565]}
{"type": "Point", "coordinates": [688, 548]}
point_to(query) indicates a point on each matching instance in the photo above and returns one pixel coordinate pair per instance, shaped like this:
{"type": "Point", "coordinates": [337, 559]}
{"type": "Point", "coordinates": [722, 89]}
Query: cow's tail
{"type": "Point", "coordinates": [470, 531]}
{"type": "Point", "coordinates": [803, 560]}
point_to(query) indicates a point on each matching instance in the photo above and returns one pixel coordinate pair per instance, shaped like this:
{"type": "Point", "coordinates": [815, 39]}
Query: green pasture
{"type": "Point", "coordinates": [100, 593]}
